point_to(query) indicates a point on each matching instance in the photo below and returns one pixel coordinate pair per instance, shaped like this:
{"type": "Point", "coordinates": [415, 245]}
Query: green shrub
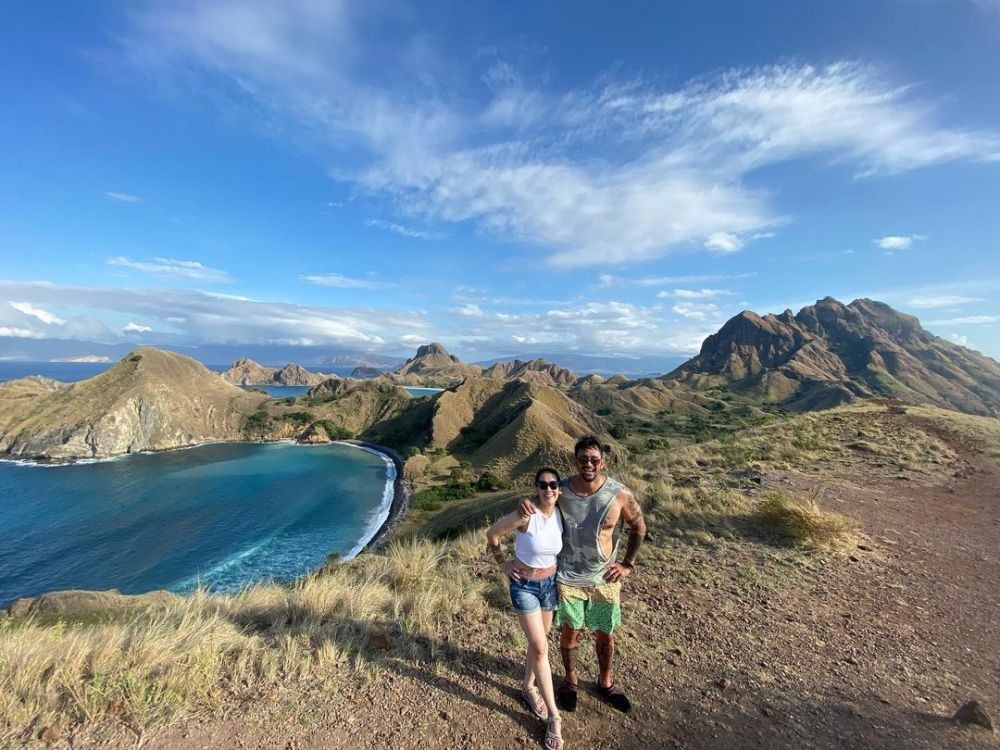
{"type": "Point", "coordinates": [257, 423]}
{"type": "Point", "coordinates": [618, 431]}
{"type": "Point", "coordinates": [334, 430]}
{"type": "Point", "coordinates": [299, 417]}
{"type": "Point", "coordinates": [433, 498]}
{"type": "Point", "coordinates": [491, 482]}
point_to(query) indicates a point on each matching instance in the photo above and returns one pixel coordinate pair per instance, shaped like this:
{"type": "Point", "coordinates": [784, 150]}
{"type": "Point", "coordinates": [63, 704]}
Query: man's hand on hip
{"type": "Point", "coordinates": [616, 572]}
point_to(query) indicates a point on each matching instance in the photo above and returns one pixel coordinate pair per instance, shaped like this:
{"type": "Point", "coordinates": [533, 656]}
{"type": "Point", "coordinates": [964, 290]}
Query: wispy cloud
{"type": "Point", "coordinates": [208, 317]}
{"type": "Point", "coordinates": [724, 242]}
{"type": "Point", "coordinates": [617, 172]}
{"type": "Point", "coordinates": [124, 197]}
{"type": "Point", "coordinates": [608, 280]}
{"type": "Point", "coordinates": [694, 293]}
{"type": "Point", "coordinates": [36, 312]}
{"type": "Point", "coordinates": [897, 241]}
{"type": "Point", "coordinates": [132, 327]}
{"type": "Point", "coordinates": [343, 282]}
{"type": "Point", "coordinates": [418, 234]}
{"type": "Point", "coordinates": [190, 270]}
{"type": "Point", "coordinates": [965, 320]}
{"type": "Point", "coordinates": [942, 300]}
{"type": "Point", "coordinates": [701, 311]}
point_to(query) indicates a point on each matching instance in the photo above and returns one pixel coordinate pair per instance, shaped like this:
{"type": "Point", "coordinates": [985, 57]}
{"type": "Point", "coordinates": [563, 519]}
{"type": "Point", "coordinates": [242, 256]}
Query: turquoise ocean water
{"type": "Point", "coordinates": [224, 514]}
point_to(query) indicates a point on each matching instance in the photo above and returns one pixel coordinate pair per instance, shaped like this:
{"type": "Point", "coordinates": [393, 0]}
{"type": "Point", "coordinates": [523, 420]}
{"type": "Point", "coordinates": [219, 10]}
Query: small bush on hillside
{"type": "Point", "coordinates": [434, 498]}
{"type": "Point", "coordinates": [298, 417]}
{"type": "Point", "coordinates": [257, 423]}
{"type": "Point", "coordinates": [334, 430]}
{"type": "Point", "coordinates": [618, 431]}
{"type": "Point", "coordinates": [802, 521]}
{"type": "Point", "coordinates": [490, 482]}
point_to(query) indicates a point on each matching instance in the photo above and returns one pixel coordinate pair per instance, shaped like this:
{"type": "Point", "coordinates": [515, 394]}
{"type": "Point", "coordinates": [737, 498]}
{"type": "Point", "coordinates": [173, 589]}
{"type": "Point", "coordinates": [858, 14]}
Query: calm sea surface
{"type": "Point", "coordinates": [226, 515]}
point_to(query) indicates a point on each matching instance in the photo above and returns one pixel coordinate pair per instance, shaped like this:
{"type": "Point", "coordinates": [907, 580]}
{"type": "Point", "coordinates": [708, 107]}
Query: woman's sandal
{"type": "Point", "coordinates": [533, 700]}
{"type": "Point", "coordinates": [553, 734]}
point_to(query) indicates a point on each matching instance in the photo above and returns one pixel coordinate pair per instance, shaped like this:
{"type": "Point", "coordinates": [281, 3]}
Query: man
{"type": "Point", "coordinates": [588, 578]}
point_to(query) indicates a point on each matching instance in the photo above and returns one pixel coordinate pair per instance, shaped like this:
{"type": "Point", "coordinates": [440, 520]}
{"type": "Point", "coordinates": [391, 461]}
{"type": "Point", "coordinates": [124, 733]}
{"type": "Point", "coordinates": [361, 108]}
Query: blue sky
{"type": "Point", "coordinates": [506, 178]}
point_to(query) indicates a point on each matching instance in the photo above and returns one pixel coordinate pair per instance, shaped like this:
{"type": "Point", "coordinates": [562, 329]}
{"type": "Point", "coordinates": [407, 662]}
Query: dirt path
{"type": "Point", "coordinates": [738, 645]}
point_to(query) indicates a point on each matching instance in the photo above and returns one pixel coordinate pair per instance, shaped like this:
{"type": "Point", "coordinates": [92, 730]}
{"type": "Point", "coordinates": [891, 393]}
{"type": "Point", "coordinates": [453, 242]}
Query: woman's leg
{"type": "Point", "coordinates": [537, 657]}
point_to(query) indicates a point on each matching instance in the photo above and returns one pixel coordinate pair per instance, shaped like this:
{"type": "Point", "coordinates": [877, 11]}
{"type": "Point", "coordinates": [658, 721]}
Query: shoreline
{"type": "Point", "coordinates": [398, 507]}
{"type": "Point", "coordinates": [401, 492]}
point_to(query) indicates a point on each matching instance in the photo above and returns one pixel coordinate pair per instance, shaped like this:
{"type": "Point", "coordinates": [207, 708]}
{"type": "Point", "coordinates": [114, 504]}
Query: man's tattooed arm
{"type": "Point", "coordinates": [632, 514]}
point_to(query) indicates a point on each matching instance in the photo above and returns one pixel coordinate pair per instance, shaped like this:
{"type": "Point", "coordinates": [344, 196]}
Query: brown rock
{"type": "Point", "coordinates": [972, 712]}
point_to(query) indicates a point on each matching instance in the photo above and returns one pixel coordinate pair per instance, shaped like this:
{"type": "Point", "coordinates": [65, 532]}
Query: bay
{"type": "Point", "coordinates": [224, 515]}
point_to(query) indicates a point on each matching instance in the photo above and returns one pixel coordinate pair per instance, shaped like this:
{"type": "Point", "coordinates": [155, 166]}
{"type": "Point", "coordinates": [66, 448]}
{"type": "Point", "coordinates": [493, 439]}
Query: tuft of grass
{"type": "Point", "coordinates": [143, 669]}
{"type": "Point", "coordinates": [802, 521]}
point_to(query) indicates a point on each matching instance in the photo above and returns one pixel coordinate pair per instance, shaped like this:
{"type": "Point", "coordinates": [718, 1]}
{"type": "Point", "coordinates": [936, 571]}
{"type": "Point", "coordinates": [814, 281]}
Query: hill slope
{"type": "Point", "coordinates": [508, 427]}
{"type": "Point", "coordinates": [150, 400]}
{"type": "Point", "coordinates": [830, 353]}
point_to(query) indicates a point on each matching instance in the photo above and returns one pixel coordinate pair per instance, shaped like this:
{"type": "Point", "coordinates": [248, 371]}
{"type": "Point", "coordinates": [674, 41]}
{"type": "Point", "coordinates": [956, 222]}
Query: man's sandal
{"type": "Point", "coordinates": [533, 700]}
{"type": "Point", "coordinates": [615, 696]}
{"type": "Point", "coordinates": [567, 695]}
{"type": "Point", "coordinates": [553, 734]}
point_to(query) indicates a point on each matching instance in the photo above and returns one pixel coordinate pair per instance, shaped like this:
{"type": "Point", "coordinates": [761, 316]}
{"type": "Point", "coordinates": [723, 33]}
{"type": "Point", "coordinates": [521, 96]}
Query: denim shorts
{"type": "Point", "coordinates": [530, 596]}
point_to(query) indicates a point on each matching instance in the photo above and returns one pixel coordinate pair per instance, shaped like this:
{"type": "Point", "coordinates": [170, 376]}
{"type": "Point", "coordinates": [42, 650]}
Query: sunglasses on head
{"type": "Point", "coordinates": [589, 459]}
{"type": "Point", "coordinates": [543, 485]}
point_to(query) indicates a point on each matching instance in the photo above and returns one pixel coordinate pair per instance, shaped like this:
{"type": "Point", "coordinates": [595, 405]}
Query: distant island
{"type": "Point", "coordinates": [509, 416]}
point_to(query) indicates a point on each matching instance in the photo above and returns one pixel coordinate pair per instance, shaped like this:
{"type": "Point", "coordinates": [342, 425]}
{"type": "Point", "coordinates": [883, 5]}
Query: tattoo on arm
{"type": "Point", "coordinates": [636, 530]}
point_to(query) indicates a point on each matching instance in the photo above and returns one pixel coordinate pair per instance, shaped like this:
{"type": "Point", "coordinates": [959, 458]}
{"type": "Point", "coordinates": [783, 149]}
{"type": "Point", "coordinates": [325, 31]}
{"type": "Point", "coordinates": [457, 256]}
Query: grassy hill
{"type": "Point", "coordinates": [150, 400]}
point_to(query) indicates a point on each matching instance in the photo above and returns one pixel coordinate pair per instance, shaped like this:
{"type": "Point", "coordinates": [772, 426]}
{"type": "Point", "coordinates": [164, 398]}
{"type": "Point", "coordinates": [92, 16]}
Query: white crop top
{"type": "Point", "coordinates": [538, 546]}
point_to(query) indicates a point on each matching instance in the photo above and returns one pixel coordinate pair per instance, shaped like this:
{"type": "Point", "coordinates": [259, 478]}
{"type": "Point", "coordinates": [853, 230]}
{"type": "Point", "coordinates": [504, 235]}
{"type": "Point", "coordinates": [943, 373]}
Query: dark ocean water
{"type": "Point", "coordinates": [226, 515]}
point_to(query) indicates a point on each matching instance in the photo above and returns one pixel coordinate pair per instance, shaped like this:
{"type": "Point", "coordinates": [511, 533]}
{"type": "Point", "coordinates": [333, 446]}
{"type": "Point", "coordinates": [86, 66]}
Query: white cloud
{"type": "Point", "coordinates": [897, 242]}
{"type": "Point", "coordinates": [694, 293]}
{"type": "Point", "coordinates": [190, 270]}
{"type": "Point", "coordinates": [943, 300]}
{"type": "Point", "coordinates": [412, 339]}
{"type": "Point", "coordinates": [418, 234]}
{"type": "Point", "coordinates": [611, 173]}
{"type": "Point", "coordinates": [210, 317]}
{"type": "Point", "coordinates": [698, 311]}
{"type": "Point", "coordinates": [961, 339]}
{"type": "Point", "coordinates": [36, 312]}
{"type": "Point", "coordinates": [124, 197]}
{"type": "Point", "coordinates": [342, 282]}
{"type": "Point", "coordinates": [724, 242]}
{"type": "Point", "coordinates": [469, 311]}
{"type": "Point", "coordinates": [132, 327]}
{"type": "Point", "coordinates": [966, 320]}
{"type": "Point", "coordinates": [20, 333]}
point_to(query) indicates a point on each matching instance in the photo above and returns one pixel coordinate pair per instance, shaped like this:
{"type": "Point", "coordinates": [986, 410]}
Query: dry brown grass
{"type": "Point", "coordinates": [802, 521]}
{"type": "Point", "coordinates": [207, 651]}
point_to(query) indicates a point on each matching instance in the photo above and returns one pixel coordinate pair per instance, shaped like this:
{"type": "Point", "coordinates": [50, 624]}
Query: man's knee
{"type": "Point", "coordinates": [568, 637]}
{"type": "Point", "coordinates": [604, 639]}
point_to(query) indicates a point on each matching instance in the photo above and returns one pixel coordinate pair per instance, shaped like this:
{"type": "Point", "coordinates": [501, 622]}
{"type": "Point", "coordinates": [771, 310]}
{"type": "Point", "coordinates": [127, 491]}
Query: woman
{"type": "Point", "coordinates": [532, 575]}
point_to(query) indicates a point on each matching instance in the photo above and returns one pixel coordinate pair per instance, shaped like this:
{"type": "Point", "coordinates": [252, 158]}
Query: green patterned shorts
{"type": "Point", "coordinates": [592, 607]}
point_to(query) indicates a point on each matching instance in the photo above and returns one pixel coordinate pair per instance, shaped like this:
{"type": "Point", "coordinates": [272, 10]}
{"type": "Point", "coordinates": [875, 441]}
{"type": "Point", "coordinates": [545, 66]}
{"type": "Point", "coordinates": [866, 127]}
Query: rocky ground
{"type": "Point", "coordinates": [739, 644]}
